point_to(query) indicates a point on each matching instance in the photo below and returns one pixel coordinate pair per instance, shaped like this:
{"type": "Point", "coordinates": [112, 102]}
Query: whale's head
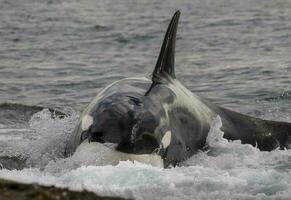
{"type": "Point", "coordinates": [126, 122]}
{"type": "Point", "coordinates": [121, 119]}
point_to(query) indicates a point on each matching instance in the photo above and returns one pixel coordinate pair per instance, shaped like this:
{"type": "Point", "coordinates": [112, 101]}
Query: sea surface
{"type": "Point", "coordinates": [58, 54]}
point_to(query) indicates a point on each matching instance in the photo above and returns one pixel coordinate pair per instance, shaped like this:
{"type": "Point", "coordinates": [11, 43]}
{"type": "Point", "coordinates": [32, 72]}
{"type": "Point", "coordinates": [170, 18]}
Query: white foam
{"type": "Point", "coordinates": [8, 130]}
{"type": "Point", "coordinates": [215, 135]}
{"type": "Point", "coordinates": [229, 170]}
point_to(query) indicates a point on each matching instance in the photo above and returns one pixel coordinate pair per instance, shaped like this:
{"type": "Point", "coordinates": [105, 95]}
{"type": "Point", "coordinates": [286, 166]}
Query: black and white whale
{"type": "Point", "coordinates": [159, 118]}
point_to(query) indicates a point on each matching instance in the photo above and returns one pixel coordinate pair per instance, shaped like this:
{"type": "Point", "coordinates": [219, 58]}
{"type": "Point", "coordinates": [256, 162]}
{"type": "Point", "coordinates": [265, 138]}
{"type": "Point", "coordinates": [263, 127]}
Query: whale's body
{"type": "Point", "coordinates": [160, 117]}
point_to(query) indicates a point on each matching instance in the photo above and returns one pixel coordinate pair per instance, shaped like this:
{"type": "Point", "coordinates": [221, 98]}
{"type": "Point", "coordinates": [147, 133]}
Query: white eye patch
{"type": "Point", "coordinates": [166, 139]}
{"type": "Point", "coordinates": [87, 121]}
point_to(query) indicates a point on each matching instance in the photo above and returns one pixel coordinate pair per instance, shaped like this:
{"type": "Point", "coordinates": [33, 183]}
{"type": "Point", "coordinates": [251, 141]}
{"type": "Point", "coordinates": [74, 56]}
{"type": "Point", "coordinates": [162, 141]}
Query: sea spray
{"type": "Point", "coordinates": [228, 169]}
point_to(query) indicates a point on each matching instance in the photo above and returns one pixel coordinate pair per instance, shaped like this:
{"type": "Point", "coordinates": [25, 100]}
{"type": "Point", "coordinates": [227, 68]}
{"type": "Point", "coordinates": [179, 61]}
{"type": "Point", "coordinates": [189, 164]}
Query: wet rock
{"type": "Point", "coordinates": [19, 191]}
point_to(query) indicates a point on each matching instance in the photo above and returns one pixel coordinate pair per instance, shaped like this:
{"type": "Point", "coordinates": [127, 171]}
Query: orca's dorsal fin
{"type": "Point", "coordinates": [166, 60]}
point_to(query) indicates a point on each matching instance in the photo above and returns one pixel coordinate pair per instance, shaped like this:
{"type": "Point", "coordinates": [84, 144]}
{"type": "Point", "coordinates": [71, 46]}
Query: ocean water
{"type": "Point", "coordinates": [58, 54]}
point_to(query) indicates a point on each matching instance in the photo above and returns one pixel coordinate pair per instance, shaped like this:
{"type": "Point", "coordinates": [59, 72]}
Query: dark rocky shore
{"type": "Point", "coordinates": [18, 191]}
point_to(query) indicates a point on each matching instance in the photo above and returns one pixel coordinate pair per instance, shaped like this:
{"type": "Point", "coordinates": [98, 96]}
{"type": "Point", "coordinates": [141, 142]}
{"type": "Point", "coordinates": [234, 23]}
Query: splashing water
{"type": "Point", "coordinates": [228, 169]}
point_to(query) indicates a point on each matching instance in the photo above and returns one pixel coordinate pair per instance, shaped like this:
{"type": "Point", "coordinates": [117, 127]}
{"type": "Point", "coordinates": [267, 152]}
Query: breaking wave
{"type": "Point", "coordinates": [228, 170]}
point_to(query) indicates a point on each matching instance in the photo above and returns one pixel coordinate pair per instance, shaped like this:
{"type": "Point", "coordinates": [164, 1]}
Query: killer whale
{"type": "Point", "coordinates": [159, 117]}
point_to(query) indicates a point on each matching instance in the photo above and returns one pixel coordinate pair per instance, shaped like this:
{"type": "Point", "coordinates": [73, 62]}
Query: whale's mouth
{"type": "Point", "coordinates": [144, 143]}
{"type": "Point", "coordinates": [128, 148]}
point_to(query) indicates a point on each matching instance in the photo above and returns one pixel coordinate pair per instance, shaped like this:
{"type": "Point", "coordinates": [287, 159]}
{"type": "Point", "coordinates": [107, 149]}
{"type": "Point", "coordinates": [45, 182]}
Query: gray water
{"type": "Point", "coordinates": [59, 54]}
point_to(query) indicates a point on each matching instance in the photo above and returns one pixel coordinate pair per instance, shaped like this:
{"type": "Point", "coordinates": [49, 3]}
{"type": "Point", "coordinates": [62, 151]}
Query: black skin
{"type": "Point", "coordinates": [123, 106]}
{"type": "Point", "coordinates": [266, 135]}
{"type": "Point", "coordinates": [131, 113]}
